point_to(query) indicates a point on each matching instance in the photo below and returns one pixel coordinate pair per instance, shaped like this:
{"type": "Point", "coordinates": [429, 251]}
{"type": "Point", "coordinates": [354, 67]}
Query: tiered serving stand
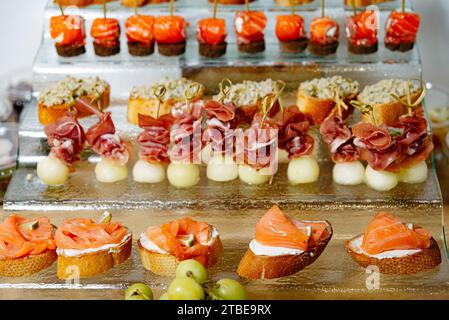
{"type": "Point", "coordinates": [234, 208]}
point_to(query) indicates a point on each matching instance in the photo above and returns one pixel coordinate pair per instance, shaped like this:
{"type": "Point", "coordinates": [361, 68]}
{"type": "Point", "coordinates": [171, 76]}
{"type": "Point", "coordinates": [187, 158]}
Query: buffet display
{"type": "Point", "coordinates": [236, 167]}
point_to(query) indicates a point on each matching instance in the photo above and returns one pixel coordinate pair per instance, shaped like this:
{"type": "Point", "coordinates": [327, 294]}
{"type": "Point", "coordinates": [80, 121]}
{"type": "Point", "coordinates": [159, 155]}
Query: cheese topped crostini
{"type": "Point", "coordinates": [282, 246]}
{"type": "Point", "coordinates": [394, 247]}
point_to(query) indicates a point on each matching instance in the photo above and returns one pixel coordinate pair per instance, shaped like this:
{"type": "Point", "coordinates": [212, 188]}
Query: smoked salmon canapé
{"type": "Point", "coordinates": [394, 247]}
{"type": "Point", "coordinates": [106, 34]}
{"type": "Point", "coordinates": [163, 247]}
{"type": "Point", "coordinates": [27, 246]}
{"type": "Point", "coordinates": [291, 32]}
{"type": "Point", "coordinates": [140, 35]}
{"type": "Point", "coordinates": [69, 35]}
{"type": "Point", "coordinates": [170, 35]}
{"type": "Point", "coordinates": [211, 36]}
{"type": "Point", "coordinates": [250, 30]}
{"type": "Point", "coordinates": [86, 248]}
{"type": "Point", "coordinates": [282, 246]}
{"type": "Point", "coordinates": [324, 34]}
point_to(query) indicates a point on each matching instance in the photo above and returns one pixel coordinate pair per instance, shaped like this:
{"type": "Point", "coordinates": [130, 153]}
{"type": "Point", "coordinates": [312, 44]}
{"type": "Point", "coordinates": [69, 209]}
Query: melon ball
{"type": "Point", "coordinates": [303, 169]}
{"type": "Point", "coordinates": [109, 171]}
{"type": "Point", "coordinates": [415, 174]}
{"type": "Point", "coordinates": [222, 168]}
{"type": "Point", "coordinates": [147, 172]}
{"type": "Point", "coordinates": [381, 180]}
{"type": "Point", "coordinates": [252, 176]}
{"type": "Point", "coordinates": [349, 173]}
{"type": "Point", "coordinates": [183, 175]}
{"type": "Point", "coordinates": [52, 171]}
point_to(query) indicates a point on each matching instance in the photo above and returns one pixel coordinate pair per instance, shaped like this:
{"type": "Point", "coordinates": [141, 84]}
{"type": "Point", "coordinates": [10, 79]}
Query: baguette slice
{"type": "Point", "coordinates": [165, 264]}
{"type": "Point", "coordinates": [387, 113]}
{"type": "Point", "coordinates": [418, 262]}
{"type": "Point", "coordinates": [27, 265]}
{"type": "Point", "coordinates": [50, 114]}
{"type": "Point", "coordinates": [267, 267]}
{"type": "Point", "coordinates": [147, 107]}
{"type": "Point", "coordinates": [90, 264]}
{"type": "Point", "coordinates": [320, 109]}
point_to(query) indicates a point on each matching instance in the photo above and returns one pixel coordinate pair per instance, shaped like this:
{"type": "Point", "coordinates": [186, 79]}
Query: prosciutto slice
{"type": "Point", "coordinates": [293, 136]}
{"type": "Point", "coordinates": [219, 126]}
{"type": "Point", "coordinates": [103, 139]}
{"type": "Point", "coordinates": [338, 136]}
{"type": "Point", "coordinates": [154, 141]}
{"type": "Point", "coordinates": [66, 138]}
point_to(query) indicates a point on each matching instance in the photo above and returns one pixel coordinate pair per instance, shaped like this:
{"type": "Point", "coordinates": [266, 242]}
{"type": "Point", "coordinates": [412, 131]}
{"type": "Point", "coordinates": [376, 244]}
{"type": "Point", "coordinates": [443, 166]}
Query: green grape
{"type": "Point", "coordinates": [192, 268]}
{"type": "Point", "coordinates": [229, 289]}
{"type": "Point", "coordinates": [185, 288]}
{"type": "Point", "coordinates": [139, 290]}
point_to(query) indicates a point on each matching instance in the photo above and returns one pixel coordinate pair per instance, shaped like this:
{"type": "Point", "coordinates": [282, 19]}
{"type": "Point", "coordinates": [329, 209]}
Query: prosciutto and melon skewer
{"type": "Point", "coordinates": [66, 138]}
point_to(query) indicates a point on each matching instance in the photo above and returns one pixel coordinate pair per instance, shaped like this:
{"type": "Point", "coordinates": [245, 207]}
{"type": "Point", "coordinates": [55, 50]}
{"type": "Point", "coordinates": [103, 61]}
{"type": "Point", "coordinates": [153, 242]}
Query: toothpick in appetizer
{"type": "Point", "coordinates": [324, 33]}
{"type": "Point", "coordinates": [361, 31]}
{"type": "Point", "coordinates": [185, 137]}
{"type": "Point", "coordinates": [27, 246]}
{"type": "Point", "coordinates": [103, 139]}
{"type": "Point", "coordinates": [154, 143]}
{"type": "Point", "coordinates": [258, 146]}
{"type": "Point", "coordinates": [66, 139]}
{"type": "Point", "coordinates": [394, 247]}
{"type": "Point", "coordinates": [211, 35]}
{"type": "Point", "coordinates": [347, 170]}
{"type": "Point", "coordinates": [170, 33]}
{"type": "Point", "coordinates": [294, 138]}
{"type": "Point", "coordinates": [250, 27]}
{"type": "Point", "coordinates": [140, 34]}
{"type": "Point", "coordinates": [402, 28]}
{"type": "Point", "coordinates": [106, 34]}
{"type": "Point", "coordinates": [291, 32]}
{"type": "Point", "coordinates": [219, 140]}
{"type": "Point", "coordinates": [69, 34]}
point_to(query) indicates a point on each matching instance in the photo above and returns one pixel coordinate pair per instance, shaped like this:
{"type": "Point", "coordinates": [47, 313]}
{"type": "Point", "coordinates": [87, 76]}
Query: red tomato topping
{"type": "Point", "coordinates": [362, 28]}
{"type": "Point", "coordinates": [170, 29]}
{"type": "Point", "coordinates": [68, 30]}
{"type": "Point", "coordinates": [211, 31]}
{"type": "Point", "coordinates": [324, 30]}
{"type": "Point", "coordinates": [290, 27]}
{"type": "Point", "coordinates": [250, 25]}
{"type": "Point", "coordinates": [105, 31]}
{"type": "Point", "coordinates": [139, 29]}
{"type": "Point", "coordinates": [402, 27]}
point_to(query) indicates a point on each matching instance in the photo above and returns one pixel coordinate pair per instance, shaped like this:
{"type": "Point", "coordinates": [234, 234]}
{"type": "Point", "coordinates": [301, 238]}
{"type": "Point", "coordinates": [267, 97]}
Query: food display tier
{"type": "Point", "coordinates": [119, 69]}
{"type": "Point", "coordinates": [334, 274]}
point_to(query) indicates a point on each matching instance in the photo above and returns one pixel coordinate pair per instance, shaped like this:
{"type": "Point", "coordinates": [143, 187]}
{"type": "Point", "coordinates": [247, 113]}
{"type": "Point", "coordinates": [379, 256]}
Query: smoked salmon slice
{"type": "Point", "coordinates": [20, 237]}
{"type": "Point", "coordinates": [277, 229]}
{"type": "Point", "coordinates": [386, 232]}
{"type": "Point", "coordinates": [169, 237]}
{"type": "Point", "coordinates": [82, 233]}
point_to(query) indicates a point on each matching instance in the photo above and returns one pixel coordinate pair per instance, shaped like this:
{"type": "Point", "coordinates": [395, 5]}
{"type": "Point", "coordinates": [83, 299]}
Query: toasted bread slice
{"type": "Point", "coordinates": [90, 264]}
{"type": "Point", "coordinates": [147, 107]}
{"type": "Point", "coordinates": [165, 264]}
{"type": "Point", "coordinates": [254, 266]}
{"type": "Point", "coordinates": [50, 114]}
{"type": "Point", "coordinates": [421, 261]}
{"type": "Point", "coordinates": [387, 113]}
{"type": "Point", "coordinates": [27, 265]}
{"type": "Point", "coordinates": [320, 109]}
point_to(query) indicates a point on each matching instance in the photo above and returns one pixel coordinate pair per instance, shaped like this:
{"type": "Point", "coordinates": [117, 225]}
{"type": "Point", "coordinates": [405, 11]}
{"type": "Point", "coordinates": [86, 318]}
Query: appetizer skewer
{"type": "Point", "coordinates": [211, 35]}
{"type": "Point", "coordinates": [103, 139]}
{"type": "Point", "coordinates": [402, 28]}
{"type": "Point", "coordinates": [27, 246]}
{"type": "Point", "coordinates": [324, 34]}
{"type": "Point", "coordinates": [282, 246]}
{"type": "Point", "coordinates": [91, 247]}
{"type": "Point", "coordinates": [170, 33]}
{"type": "Point", "coordinates": [66, 139]}
{"type": "Point", "coordinates": [361, 30]}
{"type": "Point", "coordinates": [69, 34]}
{"type": "Point", "coordinates": [250, 27]}
{"type": "Point", "coordinates": [291, 32]}
{"type": "Point", "coordinates": [139, 31]}
{"type": "Point", "coordinates": [394, 247]}
{"type": "Point", "coordinates": [163, 247]}
{"type": "Point", "coordinates": [106, 34]}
